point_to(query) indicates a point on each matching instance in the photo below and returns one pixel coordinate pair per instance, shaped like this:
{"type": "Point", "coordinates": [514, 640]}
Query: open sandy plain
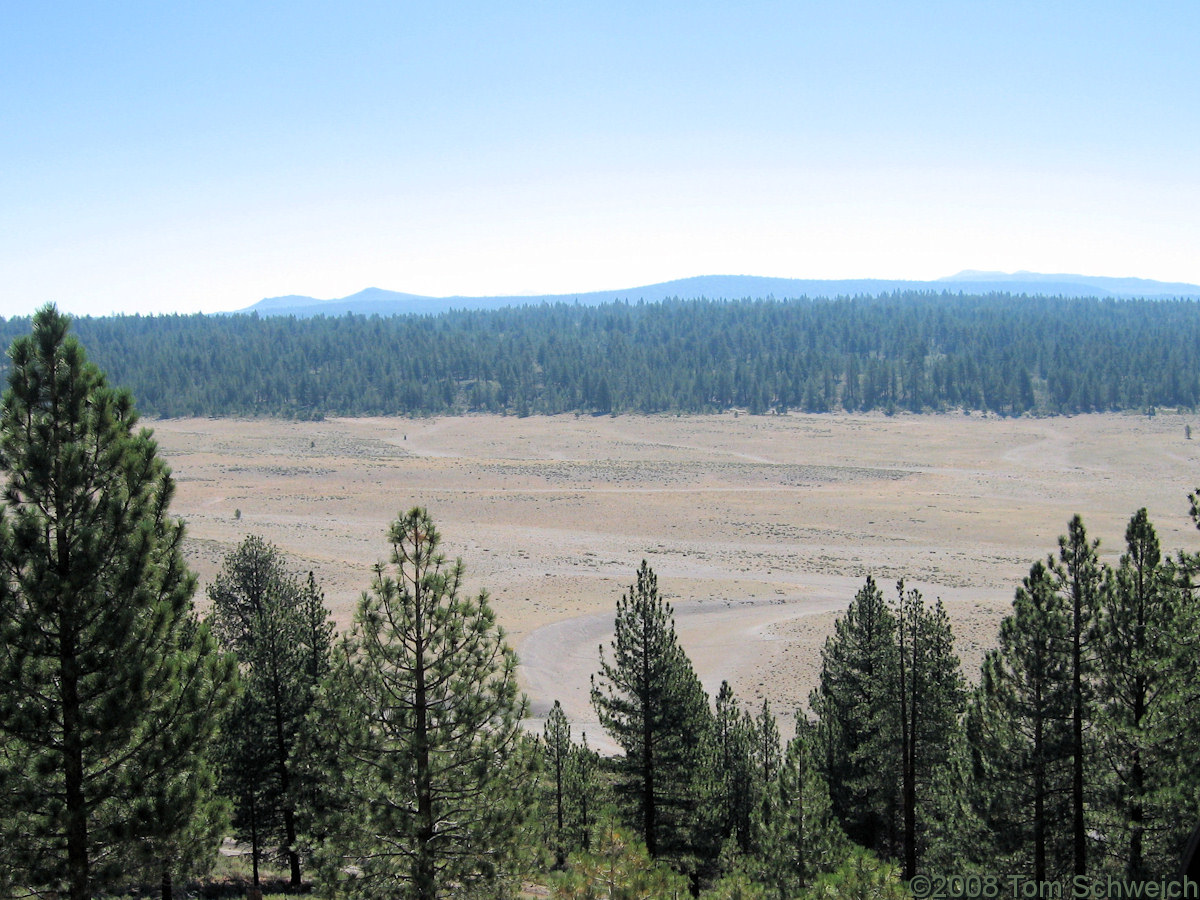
{"type": "Point", "coordinates": [760, 528]}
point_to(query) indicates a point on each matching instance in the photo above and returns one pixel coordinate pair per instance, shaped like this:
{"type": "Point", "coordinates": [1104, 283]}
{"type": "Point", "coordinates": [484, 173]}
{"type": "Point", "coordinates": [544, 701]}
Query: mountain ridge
{"type": "Point", "coordinates": [378, 301]}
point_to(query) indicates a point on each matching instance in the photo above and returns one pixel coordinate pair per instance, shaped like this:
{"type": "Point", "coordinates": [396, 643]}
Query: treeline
{"type": "Point", "coordinates": [918, 352]}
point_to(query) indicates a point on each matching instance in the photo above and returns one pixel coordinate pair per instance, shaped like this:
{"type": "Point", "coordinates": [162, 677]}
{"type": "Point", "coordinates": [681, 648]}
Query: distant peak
{"type": "Point", "coordinates": [982, 275]}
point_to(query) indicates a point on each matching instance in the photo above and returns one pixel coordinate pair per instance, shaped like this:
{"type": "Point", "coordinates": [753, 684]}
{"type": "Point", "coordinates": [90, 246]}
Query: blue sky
{"type": "Point", "coordinates": [160, 157]}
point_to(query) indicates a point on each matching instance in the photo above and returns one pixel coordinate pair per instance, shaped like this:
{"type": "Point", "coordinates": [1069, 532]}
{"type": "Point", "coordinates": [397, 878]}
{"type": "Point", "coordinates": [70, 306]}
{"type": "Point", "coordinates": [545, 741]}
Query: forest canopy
{"type": "Point", "coordinates": [918, 352]}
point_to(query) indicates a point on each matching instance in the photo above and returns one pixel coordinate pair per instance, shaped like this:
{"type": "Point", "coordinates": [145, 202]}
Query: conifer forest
{"type": "Point", "coordinates": [143, 723]}
{"type": "Point", "coordinates": [903, 352]}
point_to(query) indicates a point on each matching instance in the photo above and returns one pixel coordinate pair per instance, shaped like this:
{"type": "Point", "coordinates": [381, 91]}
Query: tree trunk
{"type": "Point", "coordinates": [560, 856]}
{"type": "Point", "coordinates": [76, 810]}
{"type": "Point", "coordinates": [79, 875]}
{"type": "Point", "coordinates": [289, 815]}
{"type": "Point", "coordinates": [424, 880]}
{"type": "Point", "coordinates": [1077, 825]}
{"type": "Point", "coordinates": [1137, 775]}
{"type": "Point", "coordinates": [289, 825]}
{"type": "Point", "coordinates": [801, 867]}
{"type": "Point", "coordinates": [1137, 821]}
{"type": "Point", "coordinates": [254, 837]}
{"type": "Point", "coordinates": [648, 810]}
{"type": "Point", "coordinates": [587, 828]}
{"type": "Point", "coordinates": [908, 717]}
{"type": "Point", "coordinates": [1039, 796]}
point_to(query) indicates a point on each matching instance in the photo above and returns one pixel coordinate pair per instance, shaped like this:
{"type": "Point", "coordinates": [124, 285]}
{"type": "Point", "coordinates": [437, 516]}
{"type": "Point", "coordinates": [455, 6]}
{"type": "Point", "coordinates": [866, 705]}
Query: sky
{"type": "Point", "coordinates": [180, 157]}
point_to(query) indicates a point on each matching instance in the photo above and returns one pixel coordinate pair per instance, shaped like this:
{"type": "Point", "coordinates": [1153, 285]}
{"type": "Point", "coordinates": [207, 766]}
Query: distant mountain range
{"type": "Point", "coordinates": [375, 301]}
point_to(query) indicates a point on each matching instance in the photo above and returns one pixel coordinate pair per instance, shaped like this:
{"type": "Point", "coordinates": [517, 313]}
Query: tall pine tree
{"type": "Point", "coordinates": [582, 803]}
{"type": "Point", "coordinates": [730, 795]}
{"type": "Point", "coordinates": [424, 700]}
{"type": "Point", "coordinates": [802, 838]}
{"type": "Point", "coordinates": [929, 694]}
{"type": "Point", "coordinates": [108, 691]}
{"type": "Point", "coordinates": [765, 757]}
{"type": "Point", "coordinates": [556, 737]}
{"type": "Point", "coordinates": [280, 632]}
{"type": "Point", "coordinates": [858, 724]}
{"type": "Point", "coordinates": [1143, 681]}
{"type": "Point", "coordinates": [1078, 577]}
{"type": "Point", "coordinates": [1019, 728]}
{"type": "Point", "coordinates": [650, 700]}
{"type": "Point", "coordinates": [888, 702]}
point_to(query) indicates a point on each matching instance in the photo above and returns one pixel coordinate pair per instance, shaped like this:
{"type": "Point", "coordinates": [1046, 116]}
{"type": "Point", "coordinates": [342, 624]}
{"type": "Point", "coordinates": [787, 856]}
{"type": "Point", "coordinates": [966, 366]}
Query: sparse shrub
{"type": "Point", "coordinates": [619, 867]}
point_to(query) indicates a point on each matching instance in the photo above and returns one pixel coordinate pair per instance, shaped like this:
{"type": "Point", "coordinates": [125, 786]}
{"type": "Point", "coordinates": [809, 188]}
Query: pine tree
{"type": "Point", "coordinates": [186, 819]}
{"type": "Point", "coordinates": [858, 724]}
{"type": "Point", "coordinates": [317, 631]}
{"type": "Point", "coordinates": [279, 630]}
{"type": "Point", "coordinates": [1078, 577]}
{"type": "Point", "coordinates": [247, 758]}
{"type": "Point", "coordinates": [731, 800]}
{"type": "Point", "coordinates": [861, 875]}
{"type": "Point", "coordinates": [802, 837]}
{"type": "Point", "coordinates": [751, 771]}
{"type": "Point", "coordinates": [929, 695]}
{"type": "Point", "coordinates": [957, 839]}
{"type": "Point", "coordinates": [618, 868]}
{"type": "Point", "coordinates": [312, 745]}
{"type": "Point", "coordinates": [1020, 735]}
{"type": "Point", "coordinates": [1141, 708]}
{"type": "Point", "coordinates": [650, 700]}
{"type": "Point", "coordinates": [109, 693]}
{"type": "Point", "coordinates": [582, 801]}
{"type": "Point", "coordinates": [423, 698]}
{"type": "Point", "coordinates": [736, 885]}
{"type": "Point", "coordinates": [186, 816]}
{"type": "Point", "coordinates": [888, 703]}
{"type": "Point", "coordinates": [765, 757]}
{"type": "Point", "coordinates": [557, 744]}
{"type": "Point", "coordinates": [766, 751]}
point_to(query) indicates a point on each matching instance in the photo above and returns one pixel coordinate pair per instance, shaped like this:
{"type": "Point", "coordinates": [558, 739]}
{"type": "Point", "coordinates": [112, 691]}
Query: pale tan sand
{"type": "Point", "coordinates": [758, 527]}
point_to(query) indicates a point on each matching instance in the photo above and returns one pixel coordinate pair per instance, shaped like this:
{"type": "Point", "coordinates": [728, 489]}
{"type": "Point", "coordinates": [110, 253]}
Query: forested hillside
{"type": "Point", "coordinates": [917, 352]}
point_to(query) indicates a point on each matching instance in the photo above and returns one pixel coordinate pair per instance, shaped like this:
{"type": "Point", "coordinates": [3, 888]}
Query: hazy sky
{"type": "Point", "coordinates": [161, 156]}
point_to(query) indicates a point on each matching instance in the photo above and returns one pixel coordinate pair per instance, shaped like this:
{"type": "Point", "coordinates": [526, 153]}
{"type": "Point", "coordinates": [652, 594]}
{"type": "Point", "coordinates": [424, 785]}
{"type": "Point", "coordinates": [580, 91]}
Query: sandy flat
{"type": "Point", "coordinates": [759, 527]}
